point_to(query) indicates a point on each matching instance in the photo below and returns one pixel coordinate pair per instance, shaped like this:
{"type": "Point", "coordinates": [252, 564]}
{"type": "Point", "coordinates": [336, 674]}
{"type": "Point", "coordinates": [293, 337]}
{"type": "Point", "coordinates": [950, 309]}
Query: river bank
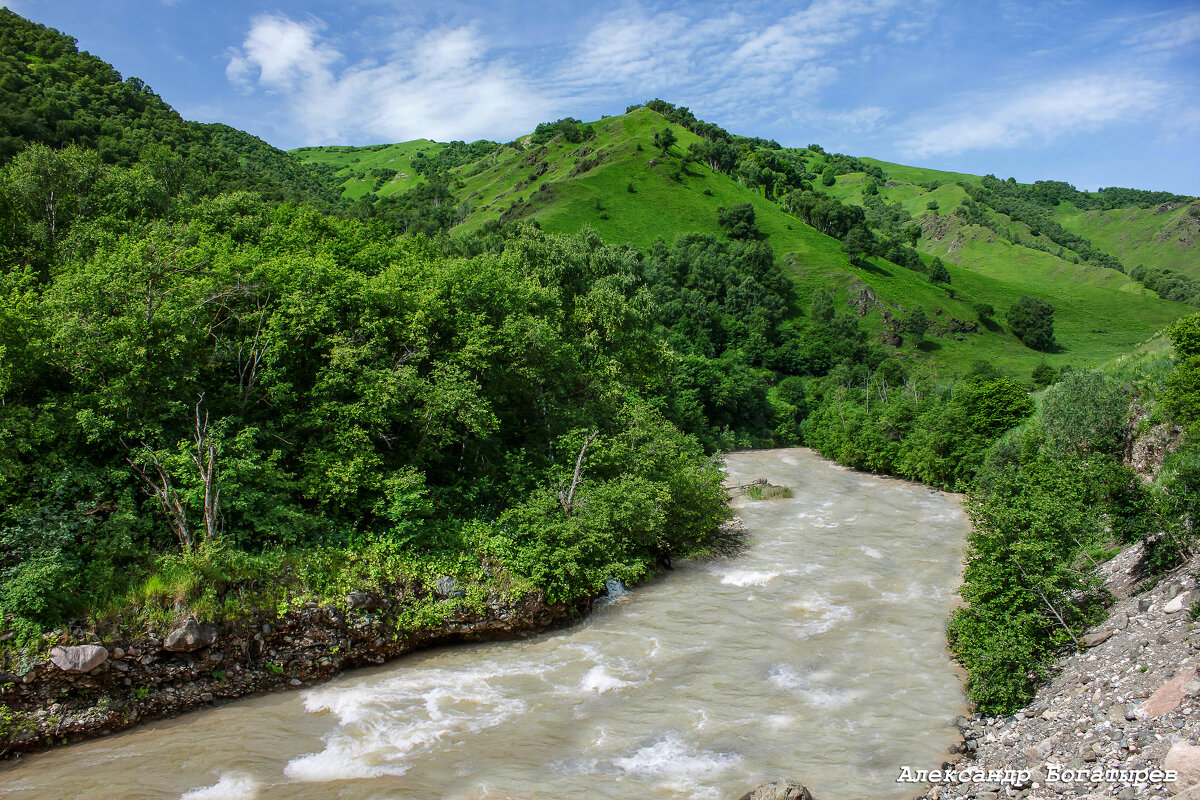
{"type": "Point", "coordinates": [164, 675]}
{"type": "Point", "coordinates": [1116, 715]}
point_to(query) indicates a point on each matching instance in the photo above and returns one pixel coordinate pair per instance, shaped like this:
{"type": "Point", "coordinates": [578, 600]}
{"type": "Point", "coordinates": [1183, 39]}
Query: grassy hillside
{"type": "Point", "coordinates": [1166, 235]}
{"type": "Point", "coordinates": [354, 166]}
{"type": "Point", "coordinates": [620, 184]}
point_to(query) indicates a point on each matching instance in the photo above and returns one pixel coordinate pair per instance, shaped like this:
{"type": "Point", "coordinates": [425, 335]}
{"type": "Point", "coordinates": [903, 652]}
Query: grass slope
{"type": "Point", "coordinates": [1165, 236]}
{"type": "Point", "coordinates": [619, 184]}
{"type": "Point", "coordinates": [355, 164]}
{"type": "Point", "coordinates": [1100, 313]}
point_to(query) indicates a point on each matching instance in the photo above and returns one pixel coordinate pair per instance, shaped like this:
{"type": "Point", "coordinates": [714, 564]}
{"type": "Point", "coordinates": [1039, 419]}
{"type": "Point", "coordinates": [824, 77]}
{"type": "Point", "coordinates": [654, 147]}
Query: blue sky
{"type": "Point", "coordinates": [1096, 93]}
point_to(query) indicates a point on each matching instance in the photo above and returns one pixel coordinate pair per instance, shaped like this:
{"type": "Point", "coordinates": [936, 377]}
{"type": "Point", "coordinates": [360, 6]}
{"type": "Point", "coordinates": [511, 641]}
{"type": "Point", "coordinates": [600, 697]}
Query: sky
{"type": "Point", "coordinates": [1095, 93]}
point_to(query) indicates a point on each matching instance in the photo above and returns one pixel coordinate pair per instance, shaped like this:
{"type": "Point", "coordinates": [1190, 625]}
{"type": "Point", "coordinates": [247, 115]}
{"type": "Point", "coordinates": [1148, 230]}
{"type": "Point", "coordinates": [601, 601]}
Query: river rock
{"type": "Point", "coordinates": [361, 601]}
{"type": "Point", "coordinates": [1093, 639]}
{"type": "Point", "coordinates": [189, 636]}
{"type": "Point", "coordinates": [448, 587]}
{"type": "Point", "coordinates": [778, 790]}
{"type": "Point", "coordinates": [1184, 758]}
{"type": "Point", "coordinates": [1176, 605]}
{"type": "Point", "coordinates": [1167, 697]}
{"type": "Point", "coordinates": [80, 658]}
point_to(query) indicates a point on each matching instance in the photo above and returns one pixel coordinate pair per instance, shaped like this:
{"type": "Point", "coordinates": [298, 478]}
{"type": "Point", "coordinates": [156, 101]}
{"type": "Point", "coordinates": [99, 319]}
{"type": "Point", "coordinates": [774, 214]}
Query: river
{"type": "Point", "coordinates": [818, 655]}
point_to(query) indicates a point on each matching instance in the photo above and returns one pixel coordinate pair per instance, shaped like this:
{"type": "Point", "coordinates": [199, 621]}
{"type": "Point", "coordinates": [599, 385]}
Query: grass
{"type": "Point", "coordinates": [1141, 235]}
{"type": "Point", "coordinates": [354, 162]}
{"type": "Point", "coordinates": [634, 195]}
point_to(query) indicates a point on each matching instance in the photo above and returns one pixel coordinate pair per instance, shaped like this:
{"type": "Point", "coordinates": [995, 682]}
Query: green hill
{"type": "Point", "coordinates": [55, 94]}
{"type": "Point", "coordinates": [613, 179]}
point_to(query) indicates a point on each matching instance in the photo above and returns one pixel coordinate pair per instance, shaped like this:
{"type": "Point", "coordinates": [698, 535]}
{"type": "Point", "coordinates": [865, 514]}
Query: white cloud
{"type": "Point", "coordinates": [441, 85]}
{"type": "Point", "coordinates": [1171, 35]}
{"type": "Point", "coordinates": [731, 63]}
{"type": "Point", "coordinates": [1033, 115]}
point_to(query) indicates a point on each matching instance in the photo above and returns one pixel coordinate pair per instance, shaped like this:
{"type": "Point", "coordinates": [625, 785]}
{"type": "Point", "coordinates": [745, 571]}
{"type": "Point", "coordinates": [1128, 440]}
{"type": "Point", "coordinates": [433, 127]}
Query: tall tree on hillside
{"type": "Point", "coordinates": [664, 140]}
{"type": "Point", "coordinates": [1032, 321]}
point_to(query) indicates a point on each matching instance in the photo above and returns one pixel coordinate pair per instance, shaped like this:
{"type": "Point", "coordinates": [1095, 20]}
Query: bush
{"type": "Point", "coordinates": [1032, 321]}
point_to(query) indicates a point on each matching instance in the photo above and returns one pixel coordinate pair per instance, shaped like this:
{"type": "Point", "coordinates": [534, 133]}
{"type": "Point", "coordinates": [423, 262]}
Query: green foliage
{"type": "Point", "coordinates": [1085, 413]}
{"type": "Point", "coordinates": [1043, 374]}
{"type": "Point", "coordinates": [1032, 321]}
{"type": "Point", "coordinates": [822, 306]}
{"type": "Point", "coordinates": [665, 139]}
{"type": "Point", "coordinates": [915, 324]}
{"type": "Point", "coordinates": [738, 221]}
{"type": "Point", "coordinates": [938, 272]}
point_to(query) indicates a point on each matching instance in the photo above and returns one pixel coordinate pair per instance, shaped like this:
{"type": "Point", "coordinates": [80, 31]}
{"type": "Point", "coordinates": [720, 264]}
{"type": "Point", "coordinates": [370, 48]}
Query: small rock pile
{"type": "Point", "coordinates": [1124, 708]}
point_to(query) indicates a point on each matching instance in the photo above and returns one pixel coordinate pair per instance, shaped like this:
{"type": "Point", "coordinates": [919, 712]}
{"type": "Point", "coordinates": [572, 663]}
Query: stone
{"type": "Point", "coordinates": [1184, 758]}
{"type": "Point", "coordinates": [117, 652]}
{"type": "Point", "coordinates": [189, 636]}
{"type": "Point", "coordinates": [446, 586]}
{"type": "Point", "coordinates": [1144, 604]}
{"type": "Point", "coordinates": [1093, 639]}
{"type": "Point", "coordinates": [1173, 591]}
{"type": "Point", "coordinates": [361, 600]}
{"type": "Point", "coordinates": [1166, 698]}
{"type": "Point", "coordinates": [1192, 793]}
{"type": "Point", "coordinates": [295, 682]}
{"type": "Point", "coordinates": [1120, 621]}
{"type": "Point", "coordinates": [1176, 605]}
{"type": "Point", "coordinates": [80, 658]}
{"type": "Point", "coordinates": [778, 790]}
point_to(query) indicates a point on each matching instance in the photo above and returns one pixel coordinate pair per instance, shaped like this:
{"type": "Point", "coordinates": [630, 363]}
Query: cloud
{"type": "Point", "coordinates": [440, 85]}
{"type": "Point", "coordinates": [1033, 115]}
{"type": "Point", "coordinates": [732, 63]}
{"type": "Point", "coordinates": [1171, 35]}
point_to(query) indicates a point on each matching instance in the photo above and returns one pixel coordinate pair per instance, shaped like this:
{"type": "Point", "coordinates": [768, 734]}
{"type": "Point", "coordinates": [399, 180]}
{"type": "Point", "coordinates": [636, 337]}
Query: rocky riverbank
{"type": "Point", "coordinates": [91, 686]}
{"type": "Point", "coordinates": [1117, 715]}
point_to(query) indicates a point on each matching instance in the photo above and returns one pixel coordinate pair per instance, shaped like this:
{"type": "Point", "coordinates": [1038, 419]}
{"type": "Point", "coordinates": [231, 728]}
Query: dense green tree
{"type": "Point", "coordinates": [938, 272]}
{"type": "Point", "coordinates": [822, 306]}
{"type": "Point", "coordinates": [738, 221]}
{"type": "Point", "coordinates": [665, 139]}
{"type": "Point", "coordinates": [1032, 321]}
{"type": "Point", "coordinates": [915, 325]}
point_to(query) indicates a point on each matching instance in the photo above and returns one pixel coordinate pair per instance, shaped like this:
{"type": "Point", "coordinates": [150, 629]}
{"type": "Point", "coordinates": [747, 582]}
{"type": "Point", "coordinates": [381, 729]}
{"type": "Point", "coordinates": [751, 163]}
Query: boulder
{"type": "Point", "coordinates": [361, 601]}
{"type": "Point", "coordinates": [189, 636]}
{"type": "Point", "coordinates": [1093, 639]}
{"type": "Point", "coordinates": [1184, 758]}
{"type": "Point", "coordinates": [778, 790]}
{"type": "Point", "coordinates": [446, 586]}
{"type": "Point", "coordinates": [1167, 697]}
{"type": "Point", "coordinates": [80, 658]}
{"type": "Point", "coordinates": [1177, 604]}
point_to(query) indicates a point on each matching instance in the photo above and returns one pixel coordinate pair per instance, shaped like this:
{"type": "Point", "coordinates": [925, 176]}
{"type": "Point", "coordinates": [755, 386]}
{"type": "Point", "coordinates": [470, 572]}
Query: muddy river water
{"type": "Point", "coordinates": [817, 655]}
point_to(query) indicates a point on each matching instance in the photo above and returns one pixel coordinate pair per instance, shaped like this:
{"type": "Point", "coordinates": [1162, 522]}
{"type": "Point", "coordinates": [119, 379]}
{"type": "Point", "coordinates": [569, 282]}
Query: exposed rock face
{"type": "Point", "coordinates": [778, 790]}
{"type": "Point", "coordinates": [362, 601]}
{"type": "Point", "coordinates": [190, 636]}
{"type": "Point", "coordinates": [47, 705]}
{"type": "Point", "coordinates": [81, 658]}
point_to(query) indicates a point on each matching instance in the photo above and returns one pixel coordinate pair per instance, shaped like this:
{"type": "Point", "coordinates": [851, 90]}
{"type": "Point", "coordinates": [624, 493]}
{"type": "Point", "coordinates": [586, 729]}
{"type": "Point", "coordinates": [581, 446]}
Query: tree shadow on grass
{"type": "Point", "coordinates": [867, 266]}
{"type": "Point", "coordinates": [929, 346]}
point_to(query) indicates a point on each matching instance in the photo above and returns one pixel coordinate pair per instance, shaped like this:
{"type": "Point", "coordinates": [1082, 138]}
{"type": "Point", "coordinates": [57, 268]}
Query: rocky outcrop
{"type": "Point", "coordinates": [84, 691]}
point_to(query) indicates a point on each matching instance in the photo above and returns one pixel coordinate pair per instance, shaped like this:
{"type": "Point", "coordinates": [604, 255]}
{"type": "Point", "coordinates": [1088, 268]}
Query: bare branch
{"type": "Point", "coordinates": [567, 499]}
